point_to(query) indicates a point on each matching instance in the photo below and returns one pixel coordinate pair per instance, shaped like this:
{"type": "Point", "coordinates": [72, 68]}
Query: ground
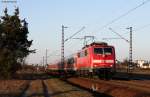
{"type": "Point", "coordinates": [40, 87]}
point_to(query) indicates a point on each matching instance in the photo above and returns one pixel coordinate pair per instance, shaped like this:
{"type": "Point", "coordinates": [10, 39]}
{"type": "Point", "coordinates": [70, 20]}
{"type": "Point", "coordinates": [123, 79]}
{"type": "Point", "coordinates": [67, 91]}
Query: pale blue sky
{"type": "Point", "coordinates": [45, 18]}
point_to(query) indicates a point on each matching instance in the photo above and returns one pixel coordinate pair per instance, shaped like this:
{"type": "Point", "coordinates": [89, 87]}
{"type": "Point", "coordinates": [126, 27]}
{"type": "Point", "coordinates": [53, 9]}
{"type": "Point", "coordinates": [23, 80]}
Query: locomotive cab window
{"type": "Point", "coordinates": [108, 51]}
{"type": "Point", "coordinates": [98, 50]}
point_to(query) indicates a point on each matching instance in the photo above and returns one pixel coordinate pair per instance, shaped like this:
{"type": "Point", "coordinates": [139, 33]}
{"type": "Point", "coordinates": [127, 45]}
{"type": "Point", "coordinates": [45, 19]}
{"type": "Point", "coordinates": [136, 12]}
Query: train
{"type": "Point", "coordinates": [97, 58]}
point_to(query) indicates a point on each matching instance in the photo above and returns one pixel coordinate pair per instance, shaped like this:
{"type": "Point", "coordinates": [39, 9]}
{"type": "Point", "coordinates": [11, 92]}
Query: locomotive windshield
{"type": "Point", "coordinates": [98, 50]}
{"type": "Point", "coordinates": [106, 51]}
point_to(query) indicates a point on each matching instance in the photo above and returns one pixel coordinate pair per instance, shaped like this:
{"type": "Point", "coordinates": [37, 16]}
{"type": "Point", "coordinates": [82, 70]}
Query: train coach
{"type": "Point", "coordinates": [97, 58]}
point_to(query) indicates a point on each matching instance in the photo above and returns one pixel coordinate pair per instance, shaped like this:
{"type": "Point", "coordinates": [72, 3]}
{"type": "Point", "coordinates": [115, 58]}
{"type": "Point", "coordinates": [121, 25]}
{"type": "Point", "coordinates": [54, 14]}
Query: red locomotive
{"type": "Point", "coordinates": [97, 58]}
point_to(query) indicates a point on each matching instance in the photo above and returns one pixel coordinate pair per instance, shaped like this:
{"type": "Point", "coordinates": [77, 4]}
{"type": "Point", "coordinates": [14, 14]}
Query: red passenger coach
{"type": "Point", "coordinates": [52, 69]}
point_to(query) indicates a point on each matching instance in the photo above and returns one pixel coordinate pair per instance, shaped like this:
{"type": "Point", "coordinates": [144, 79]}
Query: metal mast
{"type": "Point", "coordinates": [130, 66]}
{"type": "Point", "coordinates": [62, 47]}
{"type": "Point", "coordinates": [46, 58]}
{"type": "Point", "coordinates": [43, 60]}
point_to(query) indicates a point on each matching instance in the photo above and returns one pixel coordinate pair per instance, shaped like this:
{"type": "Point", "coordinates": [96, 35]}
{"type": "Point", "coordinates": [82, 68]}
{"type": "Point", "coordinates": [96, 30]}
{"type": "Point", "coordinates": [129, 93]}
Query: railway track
{"type": "Point", "coordinates": [53, 88]}
{"type": "Point", "coordinates": [62, 89]}
{"type": "Point", "coordinates": [41, 85]}
{"type": "Point", "coordinates": [115, 88]}
{"type": "Point", "coordinates": [132, 84]}
{"type": "Point", "coordinates": [48, 86]}
{"type": "Point", "coordinates": [141, 85]}
{"type": "Point", "coordinates": [35, 88]}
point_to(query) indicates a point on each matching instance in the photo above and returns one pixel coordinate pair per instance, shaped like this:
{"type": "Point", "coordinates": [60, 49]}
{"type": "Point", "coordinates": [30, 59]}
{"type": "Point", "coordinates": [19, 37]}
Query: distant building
{"type": "Point", "coordinates": [143, 63]}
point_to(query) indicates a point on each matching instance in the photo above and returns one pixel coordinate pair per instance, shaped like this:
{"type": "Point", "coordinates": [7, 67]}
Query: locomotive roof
{"type": "Point", "coordinates": [96, 43]}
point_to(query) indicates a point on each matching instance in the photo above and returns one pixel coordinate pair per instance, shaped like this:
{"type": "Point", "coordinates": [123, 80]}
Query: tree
{"type": "Point", "coordinates": [14, 43]}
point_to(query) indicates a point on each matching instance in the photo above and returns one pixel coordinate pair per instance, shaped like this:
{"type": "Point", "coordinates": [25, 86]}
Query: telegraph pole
{"type": "Point", "coordinates": [130, 65]}
{"type": "Point", "coordinates": [62, 48]}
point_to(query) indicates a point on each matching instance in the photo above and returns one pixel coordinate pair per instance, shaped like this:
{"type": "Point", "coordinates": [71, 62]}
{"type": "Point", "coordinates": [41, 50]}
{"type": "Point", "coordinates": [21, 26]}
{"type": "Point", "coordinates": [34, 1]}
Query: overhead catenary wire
{"type": "Point", "coordinates": [75, 44]}
{"type": "Point", "coordinates": [75, 34]}
{"type": "Point", "coordinates": [119, 35]}
{"type": "Point", "coordinates": [53, 53]}
{"type": "Point", "coordinates": [53, 56]}
{"type": "Point", "coordinates": [125, 14]}
{"type": "Point", "coordinates": [110, 38]}
{"type": "Point", "coordinates": [138, 29]}
{"type": "Point", "coordinates": [114, 20]}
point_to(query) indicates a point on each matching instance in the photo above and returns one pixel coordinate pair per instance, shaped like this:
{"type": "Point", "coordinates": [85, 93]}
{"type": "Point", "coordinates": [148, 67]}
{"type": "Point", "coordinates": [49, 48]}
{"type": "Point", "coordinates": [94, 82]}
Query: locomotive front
{"type": "Point", "coordinates": [103, 58]}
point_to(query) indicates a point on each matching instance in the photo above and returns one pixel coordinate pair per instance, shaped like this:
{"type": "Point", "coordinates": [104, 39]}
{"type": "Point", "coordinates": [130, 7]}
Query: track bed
{"type": "Point", "coordinates": [115, 88]}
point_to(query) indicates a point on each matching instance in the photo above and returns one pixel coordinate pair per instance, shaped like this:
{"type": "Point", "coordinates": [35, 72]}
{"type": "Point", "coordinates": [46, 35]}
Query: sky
{"type": "Point", "coordinates": [45, 18]}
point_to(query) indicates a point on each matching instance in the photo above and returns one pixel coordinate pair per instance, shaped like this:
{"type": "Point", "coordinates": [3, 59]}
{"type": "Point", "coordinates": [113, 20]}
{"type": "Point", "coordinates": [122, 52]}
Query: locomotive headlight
{"type": "Point", "coordinates": [97, 61]}
{"type": "Point", "coordinates": [109, 61]}
{"type": "Point", "coordinates": [103, 61]}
